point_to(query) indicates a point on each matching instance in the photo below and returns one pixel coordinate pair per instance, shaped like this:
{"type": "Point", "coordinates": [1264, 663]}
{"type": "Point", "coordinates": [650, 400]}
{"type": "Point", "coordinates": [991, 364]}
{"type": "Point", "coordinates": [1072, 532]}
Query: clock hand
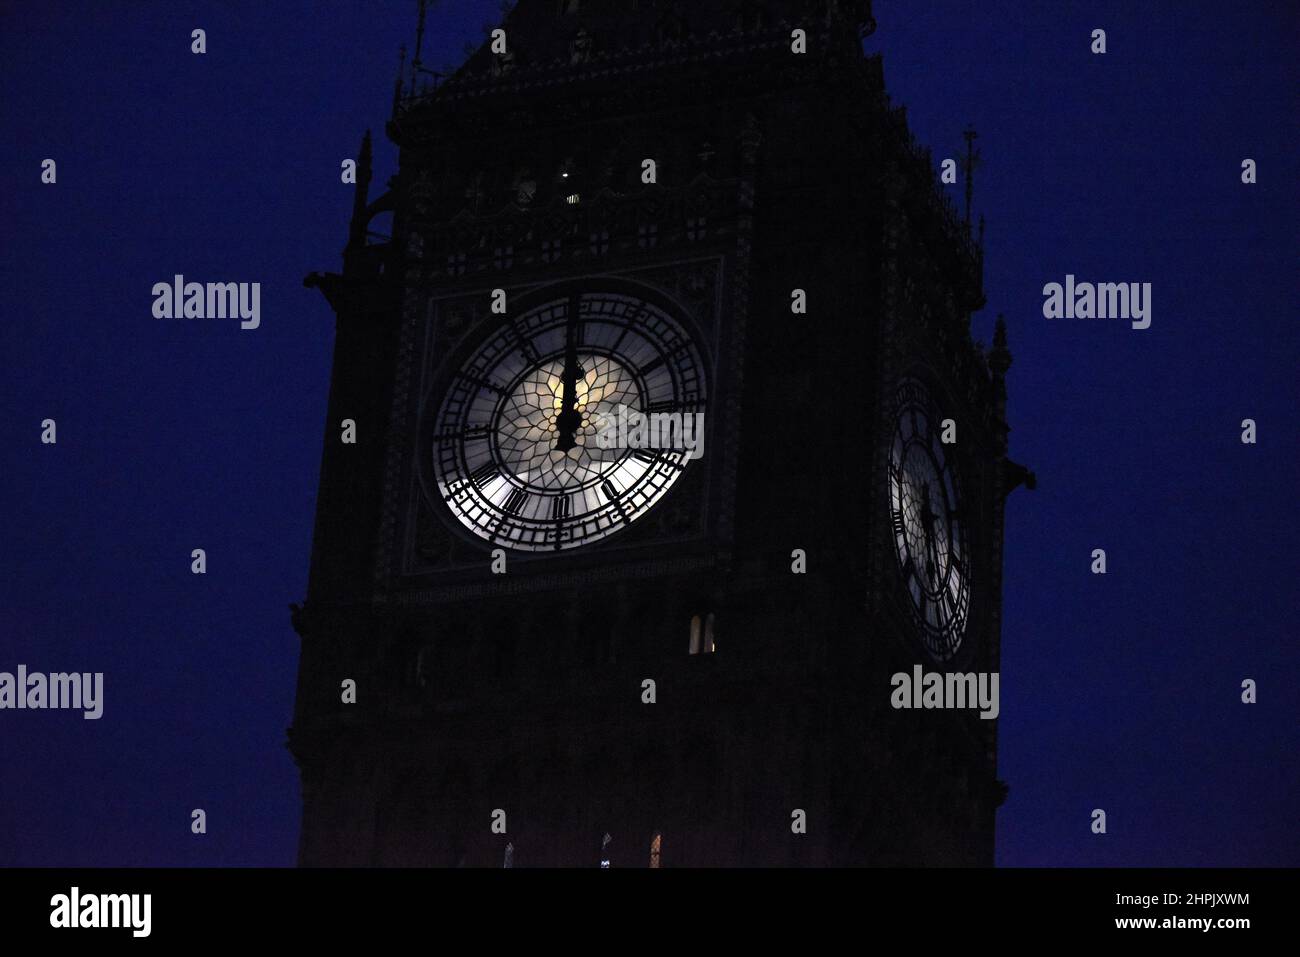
{"type": "Point", "coordinates": [569, 419]}
{"type": "Point", "coordinates": [927, 527]}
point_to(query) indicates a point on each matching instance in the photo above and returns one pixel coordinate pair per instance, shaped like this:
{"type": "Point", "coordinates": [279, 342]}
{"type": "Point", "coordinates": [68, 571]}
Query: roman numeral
{"type": "Point", "coordinates": [515, 501]}
{"type": "Point", "coordinates": [471, 433]}
{"type": "Point", "coordinates": [483, 383]}
{"type": "Point", "coordinates": [642, 313]}
{"type": "Point", "coordinates": [671, 460]}
{"type": "Point", "coordinates": [525, 345]}
{"type": "Point", "coordinates": [574, 317]}
{"type": "Point", "coordinates": [663, 357]}
{"type": "Point", "coordinates": [613, 496]}
{"type": "Point", "coordinates": [898, 521]}
{"type": "Point", "coordinates": [668, 405]}
{"type": "Point", "coordinates": [484, 473]}
{"type": "Point", "coordinates": [561, 507]}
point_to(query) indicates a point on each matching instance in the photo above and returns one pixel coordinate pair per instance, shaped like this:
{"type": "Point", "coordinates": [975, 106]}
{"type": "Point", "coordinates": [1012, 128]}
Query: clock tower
{"type": "Point", "coordinates": [657, 443]}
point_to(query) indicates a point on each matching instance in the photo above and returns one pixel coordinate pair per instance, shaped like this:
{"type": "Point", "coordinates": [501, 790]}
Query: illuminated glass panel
{"type": "Point", "coordinates": [928, 523]}
{"type": "Point", "coordinates": [517, 460]}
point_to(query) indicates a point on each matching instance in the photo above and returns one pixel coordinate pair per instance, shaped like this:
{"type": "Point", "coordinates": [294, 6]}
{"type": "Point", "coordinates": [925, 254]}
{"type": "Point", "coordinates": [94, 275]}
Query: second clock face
{"type": "Point", "coordinates": [516, 454]}
{"type": "Point", "coordinates": [928, 523]}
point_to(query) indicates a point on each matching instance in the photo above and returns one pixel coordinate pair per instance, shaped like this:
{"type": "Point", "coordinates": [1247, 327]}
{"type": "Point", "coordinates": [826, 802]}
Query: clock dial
{"type": "Point", "coordinates": [516, 455]}
{"type": "Point", "coordinates": [929, 527]}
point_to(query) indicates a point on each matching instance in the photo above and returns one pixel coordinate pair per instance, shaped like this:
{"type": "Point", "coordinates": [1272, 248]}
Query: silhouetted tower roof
{"type": "Point", "coordinates": [545, 29]}
{"type": "Point", "coordinates": [557, 33]}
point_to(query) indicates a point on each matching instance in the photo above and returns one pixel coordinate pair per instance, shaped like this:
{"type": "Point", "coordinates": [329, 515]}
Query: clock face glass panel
{"type": "Point", "coordinates": [521, 467]}
{"type": "Point", "coordinates": [929, 527]}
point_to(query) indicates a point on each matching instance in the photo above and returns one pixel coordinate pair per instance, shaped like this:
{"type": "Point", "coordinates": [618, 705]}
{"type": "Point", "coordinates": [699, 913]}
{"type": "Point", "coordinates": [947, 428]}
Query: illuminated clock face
{"type": "Point", "coordinates": [518, 454]}
{"type": "Point", "coordinates": [928, 523]}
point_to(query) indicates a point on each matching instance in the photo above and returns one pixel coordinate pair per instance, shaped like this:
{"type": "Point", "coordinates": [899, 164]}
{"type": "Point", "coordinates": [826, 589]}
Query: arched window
{"type": "Point", "coordinates": [580, 47]}
{"type": "Point", "coordinates": [510, 856]}
{"type": "Point", "coordinates": [702, 641]}
{"type": "Point", "coordinates": [656, 848]}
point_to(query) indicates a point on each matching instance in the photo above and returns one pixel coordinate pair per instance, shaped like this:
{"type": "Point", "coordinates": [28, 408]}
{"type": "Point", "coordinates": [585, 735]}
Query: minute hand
{"type": "Point", "coordinates": [569, 419]}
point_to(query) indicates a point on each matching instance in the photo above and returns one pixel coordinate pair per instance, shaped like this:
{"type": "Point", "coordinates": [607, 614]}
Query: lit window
{"type": "Point", "coordinates": [510, 856]}
{"type": "Point", "coordinates": [606, 859]}
{"type": "Point", "coordinates": [656, 846]}
{"type": "Point", "coordinates": [702, 642]}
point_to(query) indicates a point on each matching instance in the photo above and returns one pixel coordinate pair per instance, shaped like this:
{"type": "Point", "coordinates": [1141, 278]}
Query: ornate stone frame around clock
{"type": "Point", "coordinates": [698, 290]}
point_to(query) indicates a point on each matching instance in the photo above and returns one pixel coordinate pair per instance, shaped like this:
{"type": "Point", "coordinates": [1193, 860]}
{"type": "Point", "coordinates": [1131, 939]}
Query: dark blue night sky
{"type": "Point", "coordinates": [1119, 692]}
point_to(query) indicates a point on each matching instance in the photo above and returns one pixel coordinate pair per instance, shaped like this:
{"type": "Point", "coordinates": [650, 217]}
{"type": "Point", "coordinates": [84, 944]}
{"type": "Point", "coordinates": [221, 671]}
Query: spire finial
{"type": "Point", "coordinates": [866, 22]}
{"type": "Point", "coordinates": [419, 37]}
{"type": "Point", "coordinates": [397, 88]}
{"type": "Point", "coordinates": [361, 197]}
{"type": "Point", "coordinates": [999, 356]}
